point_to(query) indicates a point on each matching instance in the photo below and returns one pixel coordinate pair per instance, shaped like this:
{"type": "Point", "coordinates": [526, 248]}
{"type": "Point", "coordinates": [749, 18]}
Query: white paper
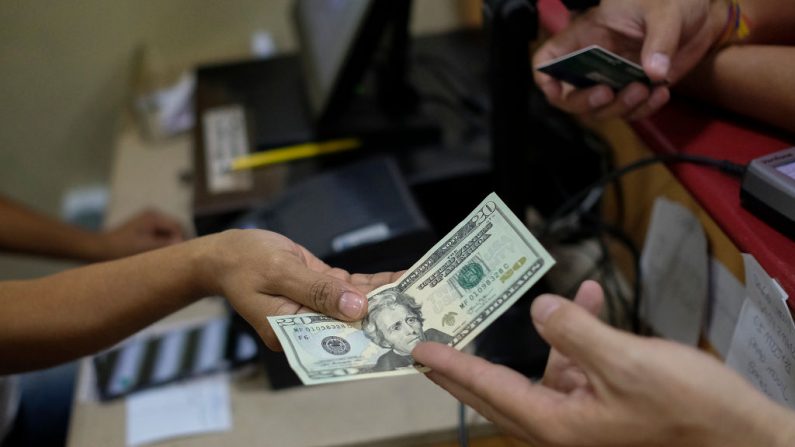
{"type": "Point", "coordinates": [193, 407]}
{"type": "Point", "coordinates": [726, 296]}
{"type": "Point", "coordinates": [225, 139]}
{"type": "Point", "coordinates": [674, 266]}
{"type": "Point", "coordinates": [763, 346]}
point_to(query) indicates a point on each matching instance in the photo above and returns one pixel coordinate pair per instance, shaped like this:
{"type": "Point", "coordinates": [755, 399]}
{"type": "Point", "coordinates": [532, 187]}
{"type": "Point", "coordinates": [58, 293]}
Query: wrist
{"type": "Point", "coordinates": [718, 21]}
{"type": "Point", "coordinates": [89, 246]}
{"type": "Point", "coordinates": [728, 23]}
{"type": "Point", "coordinates": [204, 256]}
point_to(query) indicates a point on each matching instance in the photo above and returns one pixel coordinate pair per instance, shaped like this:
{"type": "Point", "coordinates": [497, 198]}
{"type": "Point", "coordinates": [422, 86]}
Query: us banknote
{"type": "Point", "coordinates": [454, 292]}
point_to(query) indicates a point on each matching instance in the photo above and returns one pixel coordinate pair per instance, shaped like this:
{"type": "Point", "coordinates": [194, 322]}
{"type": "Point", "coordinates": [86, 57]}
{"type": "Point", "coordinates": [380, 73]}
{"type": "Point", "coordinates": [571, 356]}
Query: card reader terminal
{"type": "Point", "coordinates": [768, 189]}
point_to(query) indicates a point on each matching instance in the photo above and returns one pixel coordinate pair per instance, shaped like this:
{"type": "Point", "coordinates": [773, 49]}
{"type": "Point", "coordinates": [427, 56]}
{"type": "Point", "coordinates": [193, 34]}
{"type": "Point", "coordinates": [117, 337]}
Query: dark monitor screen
{"type": "Point", "coordinates": [338, 40]}
{"type": "Point", "coordinates": [327, 32]}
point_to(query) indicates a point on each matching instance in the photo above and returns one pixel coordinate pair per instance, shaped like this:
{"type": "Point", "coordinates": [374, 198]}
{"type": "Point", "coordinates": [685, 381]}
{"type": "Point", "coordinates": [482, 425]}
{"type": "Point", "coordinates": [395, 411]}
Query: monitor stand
{"type": "Point", "coordinates": [374, 99]}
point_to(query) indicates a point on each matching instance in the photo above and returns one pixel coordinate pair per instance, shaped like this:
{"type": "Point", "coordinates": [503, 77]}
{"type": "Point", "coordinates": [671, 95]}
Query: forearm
{"type": "Point", "coordinates": [752, 80]}
{"type": "Point", "coordinates": [80, 311]}
{"type": "Point", "coordinates": [770, 21]}
{"type": "Point", "coordinates": [26, 231]}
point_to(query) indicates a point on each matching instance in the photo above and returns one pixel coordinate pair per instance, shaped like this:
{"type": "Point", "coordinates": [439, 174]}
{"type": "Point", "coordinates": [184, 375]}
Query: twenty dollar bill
{"type": "Point", "coordinates": [467, 280]}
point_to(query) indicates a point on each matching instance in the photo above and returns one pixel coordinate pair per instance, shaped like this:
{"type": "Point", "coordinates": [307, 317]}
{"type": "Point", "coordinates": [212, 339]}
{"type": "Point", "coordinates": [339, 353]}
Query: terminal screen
{"type": "Point", "coordinates": [787, 169]}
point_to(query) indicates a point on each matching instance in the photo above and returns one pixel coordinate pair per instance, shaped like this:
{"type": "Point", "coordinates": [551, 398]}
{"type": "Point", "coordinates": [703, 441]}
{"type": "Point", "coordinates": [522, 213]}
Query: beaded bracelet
{"type": "Point", "coordinates": [736, 29]}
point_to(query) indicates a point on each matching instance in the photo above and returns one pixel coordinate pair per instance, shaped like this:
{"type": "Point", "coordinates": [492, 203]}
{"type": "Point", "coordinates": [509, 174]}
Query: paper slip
{"type": "Point", "coordinates": [675, 270]}
{"type": "Point", "coordinates": [727, 294]}
{"type": "Point", "coordinates": [763, 346]}
{"type": "Point", "coordinates": [189, 408]}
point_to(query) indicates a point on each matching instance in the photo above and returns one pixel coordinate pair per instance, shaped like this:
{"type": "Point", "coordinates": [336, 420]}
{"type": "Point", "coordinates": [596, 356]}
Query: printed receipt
{"type": "Point", "coordinates": [763, 345]}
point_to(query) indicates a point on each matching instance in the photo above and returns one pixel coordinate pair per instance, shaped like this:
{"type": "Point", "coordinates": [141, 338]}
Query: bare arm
{"type": "Point", "coordinates": [27, 231]}
{"type": "Point", "coordinates": [77, 312]}
{"type": "Point", "coordinates": [771, 21]}
{"type": "Point", "coordinates": [24, 230]}
{"type": "Point", "coordinates": [752, 80]}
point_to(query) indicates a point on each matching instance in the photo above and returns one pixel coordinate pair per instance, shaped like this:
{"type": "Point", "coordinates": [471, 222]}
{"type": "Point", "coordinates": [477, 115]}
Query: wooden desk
{"type": "Point", "coordinates": [407, 410]}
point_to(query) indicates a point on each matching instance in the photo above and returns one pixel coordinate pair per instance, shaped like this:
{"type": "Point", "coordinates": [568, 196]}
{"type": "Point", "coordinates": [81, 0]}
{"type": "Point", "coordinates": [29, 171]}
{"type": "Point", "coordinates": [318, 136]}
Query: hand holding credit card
{"type": "Point", "coordinates": [595, 65]}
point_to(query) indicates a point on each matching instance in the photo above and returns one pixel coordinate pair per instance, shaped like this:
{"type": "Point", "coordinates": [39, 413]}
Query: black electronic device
{"type": "Point", "coordinates": [350, 216]}
{"type": "Point", "coordinates": [768, 189]}
{"type": "Point", "coordinates": [354, 64]}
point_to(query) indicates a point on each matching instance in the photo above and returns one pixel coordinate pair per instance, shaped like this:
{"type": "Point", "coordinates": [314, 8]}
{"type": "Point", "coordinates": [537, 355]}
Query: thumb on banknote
{"type": "Point", "coordinates": [325, 294]}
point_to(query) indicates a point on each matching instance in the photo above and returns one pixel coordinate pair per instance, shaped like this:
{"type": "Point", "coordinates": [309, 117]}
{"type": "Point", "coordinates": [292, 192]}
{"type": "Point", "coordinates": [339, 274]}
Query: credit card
{"type": "Point", "coordinates": [594, 65]}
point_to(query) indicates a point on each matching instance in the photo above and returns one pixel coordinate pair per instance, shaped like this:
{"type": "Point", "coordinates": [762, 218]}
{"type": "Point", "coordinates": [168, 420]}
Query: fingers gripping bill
{"type": "Point", "coordinates": [455, 291]}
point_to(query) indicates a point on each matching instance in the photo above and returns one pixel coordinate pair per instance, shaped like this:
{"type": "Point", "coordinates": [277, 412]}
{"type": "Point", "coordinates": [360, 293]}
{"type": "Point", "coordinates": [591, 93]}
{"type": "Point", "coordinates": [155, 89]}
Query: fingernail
{"type": "Point", "coordinates": [543, 306]}
{"type": "Point", "coordinates": [599, 98]}
{"type": "Point", "coordinates": [659, 63]}
{"type": "Point", "coordinates": [351, 304]}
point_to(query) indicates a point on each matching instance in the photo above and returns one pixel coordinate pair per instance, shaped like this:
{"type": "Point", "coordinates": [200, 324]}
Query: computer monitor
{"type": "Point", "coordinates": [327, 32]}
{"type": "Point", "coordinates": [341, 42]}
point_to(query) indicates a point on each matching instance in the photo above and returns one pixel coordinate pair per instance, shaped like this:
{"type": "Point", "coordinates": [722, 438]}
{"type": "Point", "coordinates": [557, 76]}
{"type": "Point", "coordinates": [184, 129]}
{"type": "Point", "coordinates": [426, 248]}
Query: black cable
{"type": "Point", "coordinates": [630, 308]}
{"type": "Point", "coordinates": [612, 291]}
{"type": "Point", "coordinates": [637, 291]}
{"type": "Point", "coordinates": [602, 265]}
{"type": "Point", "coordinates": [725, 166]}
{"type": "Point", "coordinates": [601, 226]}
{"type": "Point", "coordinates": [463, 428]}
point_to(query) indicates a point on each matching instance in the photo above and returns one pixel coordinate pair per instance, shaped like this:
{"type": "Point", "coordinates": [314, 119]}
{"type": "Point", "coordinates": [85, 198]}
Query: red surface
{"type": "Point", "coordinates": [687, 128]}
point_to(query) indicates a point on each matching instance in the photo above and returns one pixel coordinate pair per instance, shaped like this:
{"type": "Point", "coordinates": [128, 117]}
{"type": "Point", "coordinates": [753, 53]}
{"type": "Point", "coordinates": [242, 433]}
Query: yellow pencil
{"type": "Point", "coordinates": [295, 152]}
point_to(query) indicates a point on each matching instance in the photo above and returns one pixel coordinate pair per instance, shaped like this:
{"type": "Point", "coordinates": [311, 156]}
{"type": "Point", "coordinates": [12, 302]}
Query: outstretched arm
{"type": "Point", "coordinates": [771, 21]}
{"type": "Point", "coordinates": [24, 230]}
{"type": "Point", "coordinates": [80, 311]}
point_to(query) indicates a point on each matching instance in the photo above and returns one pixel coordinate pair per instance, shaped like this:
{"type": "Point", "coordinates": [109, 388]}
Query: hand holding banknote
{"type": "Point", "coordinates": [456, 290]}
{"type": "Point", "coordinates": [264, 273]}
